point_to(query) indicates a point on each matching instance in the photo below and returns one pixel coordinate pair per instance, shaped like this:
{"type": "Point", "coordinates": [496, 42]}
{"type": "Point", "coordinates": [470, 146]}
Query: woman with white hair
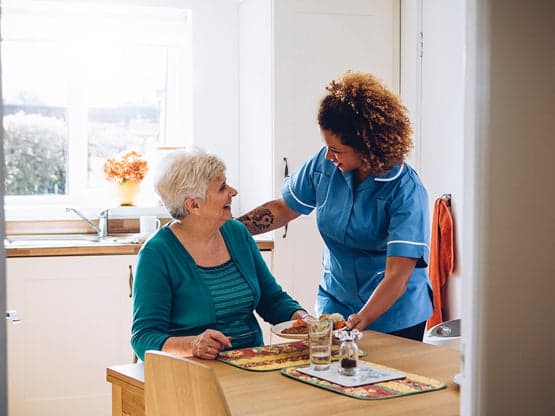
{"type": "Point", "coordinates": [201, 276]}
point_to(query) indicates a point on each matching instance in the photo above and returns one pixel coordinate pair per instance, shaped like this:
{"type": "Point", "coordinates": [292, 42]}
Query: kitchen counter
{"type": "Point", "coordinates": [70, 247]}
{"type": "Point", "coordinates": [74, 238]}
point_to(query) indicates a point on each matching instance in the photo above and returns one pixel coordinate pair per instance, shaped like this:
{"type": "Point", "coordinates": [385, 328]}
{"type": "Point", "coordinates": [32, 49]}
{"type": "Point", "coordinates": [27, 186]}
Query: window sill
{"type": "Point", "coordinates": [30, 212]}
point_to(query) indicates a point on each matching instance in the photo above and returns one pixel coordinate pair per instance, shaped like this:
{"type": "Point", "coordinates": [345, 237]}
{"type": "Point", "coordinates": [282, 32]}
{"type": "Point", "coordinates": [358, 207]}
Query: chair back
{"type": "Point", "coordinates": [176, 386]}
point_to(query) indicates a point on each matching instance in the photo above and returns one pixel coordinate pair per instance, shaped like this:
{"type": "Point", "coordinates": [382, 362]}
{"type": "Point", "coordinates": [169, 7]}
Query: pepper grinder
{"type": "Point", "coordinates": [348, 351]}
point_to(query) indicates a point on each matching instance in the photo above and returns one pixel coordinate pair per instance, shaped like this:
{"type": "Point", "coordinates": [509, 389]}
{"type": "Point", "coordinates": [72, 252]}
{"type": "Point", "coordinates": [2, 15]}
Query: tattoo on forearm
{"type": "Point", "coordinates": [259, 219]}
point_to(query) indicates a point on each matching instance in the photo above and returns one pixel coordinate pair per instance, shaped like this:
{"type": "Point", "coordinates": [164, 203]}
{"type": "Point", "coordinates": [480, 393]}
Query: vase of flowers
{"type": "Point", "coordinates": [126, 171]}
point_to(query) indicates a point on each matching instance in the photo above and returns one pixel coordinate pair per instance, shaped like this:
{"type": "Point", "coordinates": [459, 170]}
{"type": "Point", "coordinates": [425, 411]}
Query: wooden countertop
{"type": "Point", "coordinates": [118, 228]}
{"type": "Point", "coordinates": [271, 393]}
{"type": "Point", "coordinates": [89, 249]}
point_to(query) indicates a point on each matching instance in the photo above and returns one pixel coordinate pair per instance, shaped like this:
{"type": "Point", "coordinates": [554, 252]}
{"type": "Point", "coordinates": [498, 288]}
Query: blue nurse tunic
{"type": "Point", "coordinates": [383, 216]}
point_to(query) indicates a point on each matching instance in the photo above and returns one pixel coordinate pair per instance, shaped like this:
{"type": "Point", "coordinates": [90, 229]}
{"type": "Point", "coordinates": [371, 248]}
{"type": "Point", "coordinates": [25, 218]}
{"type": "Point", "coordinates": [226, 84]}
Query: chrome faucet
{"type": "Point", "coordinates": [102, 227]}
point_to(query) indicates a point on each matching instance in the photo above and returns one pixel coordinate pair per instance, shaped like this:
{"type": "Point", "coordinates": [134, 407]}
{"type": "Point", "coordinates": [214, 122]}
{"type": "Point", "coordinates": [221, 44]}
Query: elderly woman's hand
{"type": "Point", "coordinates": [208, 344]}
{"type": "Point", "coordinates": [301, 314]}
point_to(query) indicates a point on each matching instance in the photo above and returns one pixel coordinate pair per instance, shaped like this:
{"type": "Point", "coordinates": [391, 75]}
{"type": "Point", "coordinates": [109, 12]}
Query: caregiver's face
{"type": "Point", "coordinates": [342, 156]}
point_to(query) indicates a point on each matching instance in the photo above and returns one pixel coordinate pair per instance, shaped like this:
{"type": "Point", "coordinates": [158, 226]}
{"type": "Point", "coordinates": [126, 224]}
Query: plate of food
{"type": "Point", "coordinates": [298, 329]}
{"type": "Point", "coordinates": [336, 318]}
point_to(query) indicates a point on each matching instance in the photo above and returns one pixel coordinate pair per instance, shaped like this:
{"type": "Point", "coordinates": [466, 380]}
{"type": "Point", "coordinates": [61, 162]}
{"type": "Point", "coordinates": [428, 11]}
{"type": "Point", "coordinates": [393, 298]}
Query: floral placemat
{"type": "Point", "coordinates": [365, 374]}
{"type": "Point", "coordinates": [410, 384]}
{"type": "Point", "coordinates": [273, 357]}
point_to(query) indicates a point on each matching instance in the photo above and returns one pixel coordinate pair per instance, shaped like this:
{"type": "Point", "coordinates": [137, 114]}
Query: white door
{"type": "Point", "coordinates": [315, 41]}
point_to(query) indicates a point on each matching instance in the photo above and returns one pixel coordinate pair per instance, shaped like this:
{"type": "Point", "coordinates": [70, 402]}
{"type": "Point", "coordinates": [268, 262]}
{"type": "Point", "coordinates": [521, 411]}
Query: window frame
{"type": "Point", "coordinates": [173, 29]}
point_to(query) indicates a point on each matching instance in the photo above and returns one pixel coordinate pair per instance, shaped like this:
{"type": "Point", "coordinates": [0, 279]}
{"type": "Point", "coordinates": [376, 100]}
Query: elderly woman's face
{"type": "Point", "coordinates": [342, 156]}
{"type": "Point", "coordinates": [218, 199]}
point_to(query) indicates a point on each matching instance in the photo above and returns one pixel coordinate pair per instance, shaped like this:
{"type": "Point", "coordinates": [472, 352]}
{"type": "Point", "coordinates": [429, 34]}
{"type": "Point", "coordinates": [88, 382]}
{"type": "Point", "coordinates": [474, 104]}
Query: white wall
{"type": "Point", "coordinates": [508, 319]}
{"type": "Point", "coordinates": [216, 80]}
{"type": "Point", "coordinates": [432, 88]}
{"type": "Point", "coordinates": [442, 128]}
{"type": "Point", "coordinates": [255, 101]}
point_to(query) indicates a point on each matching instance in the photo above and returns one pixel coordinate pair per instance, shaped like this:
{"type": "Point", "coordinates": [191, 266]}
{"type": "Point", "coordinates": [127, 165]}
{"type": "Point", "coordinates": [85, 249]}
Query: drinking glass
{"type": "Point", "coordinates": [319, 343]}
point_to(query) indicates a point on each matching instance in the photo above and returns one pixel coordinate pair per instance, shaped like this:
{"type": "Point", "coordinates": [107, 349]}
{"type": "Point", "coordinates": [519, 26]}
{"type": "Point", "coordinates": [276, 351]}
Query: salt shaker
{"type": "Point", "coordinates": [348, 351]}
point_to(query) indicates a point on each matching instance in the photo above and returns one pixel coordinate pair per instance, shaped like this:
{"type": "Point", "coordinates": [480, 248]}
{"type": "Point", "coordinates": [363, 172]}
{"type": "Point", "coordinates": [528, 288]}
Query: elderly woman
{"type": "Point", "coordinates": [371, 208]}
{"type": "Point", "coordinates": [201, 276]}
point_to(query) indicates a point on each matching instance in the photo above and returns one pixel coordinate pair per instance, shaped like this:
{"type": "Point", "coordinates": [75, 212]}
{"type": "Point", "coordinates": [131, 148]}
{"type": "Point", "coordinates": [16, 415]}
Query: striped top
{"type": "Point", "coordinates": [233, 301]}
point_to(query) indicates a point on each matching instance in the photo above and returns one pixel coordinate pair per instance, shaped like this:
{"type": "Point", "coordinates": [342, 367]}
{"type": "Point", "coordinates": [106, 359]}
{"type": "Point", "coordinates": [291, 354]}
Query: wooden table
{"type": "Point", "coordinates": [271, 393]}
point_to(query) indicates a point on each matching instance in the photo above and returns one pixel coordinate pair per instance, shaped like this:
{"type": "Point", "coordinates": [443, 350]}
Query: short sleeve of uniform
{"type": "Point", "coordinates": [408, 233]}
{"type": "Point", "coordinates": [299, 189]}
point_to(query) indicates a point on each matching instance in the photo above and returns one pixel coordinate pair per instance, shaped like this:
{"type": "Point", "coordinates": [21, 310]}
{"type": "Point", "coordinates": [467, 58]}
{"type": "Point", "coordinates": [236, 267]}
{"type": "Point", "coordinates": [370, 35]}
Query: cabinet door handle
{"type": "Point", "coordinates": [130, 280]}
{"type": "Point", "coordinates": [285, 175]}
{"type": "Point", "coordinates": [133, 355]}
{"type": "Point", "coordinates": [13, 317]}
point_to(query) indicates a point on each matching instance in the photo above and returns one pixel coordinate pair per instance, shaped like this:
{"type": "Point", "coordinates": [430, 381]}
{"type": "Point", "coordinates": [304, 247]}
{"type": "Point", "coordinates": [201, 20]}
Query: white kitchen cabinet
{"type": "Point", "coordinates": [267, 255]}
{"type": "Point", "coordinates": [269, 337]}
{"type": "Point", "coordinates": [76, 320]}
{"type": "Point", "coordinates": [289, 51]}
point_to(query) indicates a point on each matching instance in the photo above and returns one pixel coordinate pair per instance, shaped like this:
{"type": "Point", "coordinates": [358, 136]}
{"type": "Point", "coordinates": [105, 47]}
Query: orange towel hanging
{"type": "Point", "coordinates": [442, 258]}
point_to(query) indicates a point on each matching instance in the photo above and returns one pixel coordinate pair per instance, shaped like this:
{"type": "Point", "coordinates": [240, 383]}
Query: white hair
{"type": "Point", "coordinates": [184, 174]}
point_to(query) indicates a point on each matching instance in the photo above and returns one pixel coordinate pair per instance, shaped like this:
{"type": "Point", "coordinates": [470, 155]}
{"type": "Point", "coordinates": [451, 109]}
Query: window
{"type": "Point", "coordinates": [81, 83]}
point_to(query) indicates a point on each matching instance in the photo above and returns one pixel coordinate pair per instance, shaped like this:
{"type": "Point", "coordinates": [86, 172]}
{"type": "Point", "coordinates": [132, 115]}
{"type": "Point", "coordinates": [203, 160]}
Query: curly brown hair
{"type": "Point", "coordinates": [366, 116]}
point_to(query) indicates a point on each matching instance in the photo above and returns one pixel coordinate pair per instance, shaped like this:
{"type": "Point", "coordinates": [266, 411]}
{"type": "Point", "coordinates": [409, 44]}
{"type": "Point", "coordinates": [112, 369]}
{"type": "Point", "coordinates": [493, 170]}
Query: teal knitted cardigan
{"type": "Point", "coordinates": [171, 299]}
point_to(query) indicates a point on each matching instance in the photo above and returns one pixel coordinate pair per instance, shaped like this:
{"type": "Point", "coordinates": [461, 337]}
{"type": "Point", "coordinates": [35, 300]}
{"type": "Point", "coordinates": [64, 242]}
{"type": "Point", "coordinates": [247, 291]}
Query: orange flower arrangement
{"type": "Point", "coordinates": [127, 167]}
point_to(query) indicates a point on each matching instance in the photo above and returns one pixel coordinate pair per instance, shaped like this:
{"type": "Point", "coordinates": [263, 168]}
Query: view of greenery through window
{"type": "Point", "coordinates": [36, 135]}
{"type": "Point", "coordinates": [35, 151]}
{"type": "Point", "coordinates": [36, 143]}
{"type": "Point", "coordinates": [71, 99]}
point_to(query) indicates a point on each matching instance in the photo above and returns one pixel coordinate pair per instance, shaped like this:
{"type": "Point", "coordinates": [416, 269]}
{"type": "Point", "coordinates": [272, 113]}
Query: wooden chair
{"type": "Point", "coordinates": [178, 386]}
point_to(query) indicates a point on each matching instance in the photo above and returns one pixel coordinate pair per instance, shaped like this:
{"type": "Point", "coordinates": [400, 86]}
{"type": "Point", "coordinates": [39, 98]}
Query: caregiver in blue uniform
{"type": "Point", "coordinates": [371, 208]}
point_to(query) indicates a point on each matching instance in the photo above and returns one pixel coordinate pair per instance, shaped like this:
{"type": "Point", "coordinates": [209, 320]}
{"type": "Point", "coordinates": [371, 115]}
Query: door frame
{"type": "Point", "coordinates": [3, 340]}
